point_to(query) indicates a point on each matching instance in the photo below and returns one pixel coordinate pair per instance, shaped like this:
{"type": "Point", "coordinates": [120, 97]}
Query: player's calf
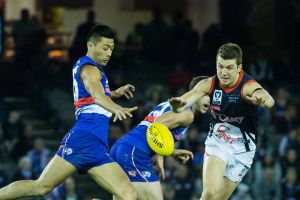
{"type": "Point", "coordinates": [41, 189]}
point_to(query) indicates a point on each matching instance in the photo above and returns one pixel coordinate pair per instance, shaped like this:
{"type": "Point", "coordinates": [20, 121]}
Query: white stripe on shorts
{"type": "Point", "coordinates": [132, 159]}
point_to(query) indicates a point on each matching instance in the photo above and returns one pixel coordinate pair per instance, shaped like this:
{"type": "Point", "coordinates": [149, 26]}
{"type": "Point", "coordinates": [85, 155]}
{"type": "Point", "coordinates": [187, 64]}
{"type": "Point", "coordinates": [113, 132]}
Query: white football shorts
{"type": "Point", "coordinates": [238, 163]}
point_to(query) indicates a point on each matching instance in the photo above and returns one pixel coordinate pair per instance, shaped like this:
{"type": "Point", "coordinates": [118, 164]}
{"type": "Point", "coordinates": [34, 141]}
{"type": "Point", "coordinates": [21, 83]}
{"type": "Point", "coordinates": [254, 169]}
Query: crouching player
{"type": "Point", "coordinates": [134, 155]}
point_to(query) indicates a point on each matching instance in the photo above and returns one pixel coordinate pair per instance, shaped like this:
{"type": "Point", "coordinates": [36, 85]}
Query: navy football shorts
{"type": "Point", "coordinates": [83, 150]}
{"type": "Point", "coordinates": [137, 164]}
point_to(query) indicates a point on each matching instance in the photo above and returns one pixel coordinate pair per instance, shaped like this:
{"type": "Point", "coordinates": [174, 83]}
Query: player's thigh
{"type": "Point", "coordinates": [148, 190]}
{"type": "Point", "coordinates": [214, 181]}
{"type": "Point", "coordinates": [55, 172]}
{"type": "Point", "coordinates": [111, 177]}
{"type": "Point", "coordinates": [213, 173]}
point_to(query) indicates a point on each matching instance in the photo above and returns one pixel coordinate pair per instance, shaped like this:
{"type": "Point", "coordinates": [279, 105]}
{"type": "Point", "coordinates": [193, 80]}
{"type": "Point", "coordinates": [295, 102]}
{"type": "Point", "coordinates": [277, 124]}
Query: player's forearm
{"type": "Point", "coordinates": [177, 109]}
{"type": "Point", "coordinates": [160, 158]}
{"type": "Point", "coordinates": [191, 98]}
{"type": "Point", "coordinates": [173, 120]}
{"type": "Point", "coordinates": [106, 103]}
{"type": "Point", "coordinates": [100, 98]}
{"type": "Point", "coordinates": [168, 121]}
{"type": "Point", "coordinates": [267, 100]}
{"type": "Point", "coordinates": [114, 94]}
{"type": "Point", "coordinates": [187, 100]}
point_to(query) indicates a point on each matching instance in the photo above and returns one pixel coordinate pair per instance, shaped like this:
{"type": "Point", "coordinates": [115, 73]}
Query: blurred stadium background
{"type": "Point", "coordinates": [161, 45]}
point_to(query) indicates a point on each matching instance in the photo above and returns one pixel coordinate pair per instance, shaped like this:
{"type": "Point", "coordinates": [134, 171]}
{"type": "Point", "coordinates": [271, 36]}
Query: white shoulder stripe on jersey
{"type": "Point", "coordinates": [93, 108]}
{"type": "Point", "coordinates": [145, 123]}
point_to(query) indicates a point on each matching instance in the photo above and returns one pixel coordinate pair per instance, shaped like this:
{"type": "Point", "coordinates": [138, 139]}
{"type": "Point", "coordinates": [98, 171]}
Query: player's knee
{"type": "Point", "coordinates": [209, 194]}
{"type": "Point", "coordinates": [42, 189]}
{"type": "Point", "coordinates": [127, 193]}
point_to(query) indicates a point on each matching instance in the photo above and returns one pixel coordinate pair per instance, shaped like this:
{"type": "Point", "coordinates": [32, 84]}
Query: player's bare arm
{"type": "Point", "coordinates": [159, 165]}
{"type": "Point", "coordinates": [257, 95]}
{"type": "Point", "coordinates": [91, 79]}
{"type": "Point", "coordinates": [173, 120]}
{"type": "Point", "coordinates": [179, 104]}
{"type": "Point", "coordinates": [125, 90]}
{"type": "Point", "coordinates": [180, 154]}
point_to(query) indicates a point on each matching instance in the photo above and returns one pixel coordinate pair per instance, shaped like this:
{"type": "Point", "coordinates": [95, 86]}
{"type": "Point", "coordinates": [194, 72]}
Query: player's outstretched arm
{"type": "Point", "coordinates": [179, 104]}
{"type": "Point", "coordinates": [91, 79]}
{"type": "Point", "coordinates": [257, 95]}
{"type": "Point", "coordinates": [172, 120]}
{"type": "Point", "coordinates": [125, 90]}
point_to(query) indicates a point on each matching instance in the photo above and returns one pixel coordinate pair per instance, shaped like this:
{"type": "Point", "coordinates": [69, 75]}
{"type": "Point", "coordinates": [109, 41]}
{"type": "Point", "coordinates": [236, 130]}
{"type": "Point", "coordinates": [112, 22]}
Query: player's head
{"type": "Point", "coordinates": [100, 44]}
{"type": "Point", "coordinates": [229, 63]}
{"type": "Point", "coordinates": [90, 16]}
{"type": "Point", "coordinates": [203, 103]}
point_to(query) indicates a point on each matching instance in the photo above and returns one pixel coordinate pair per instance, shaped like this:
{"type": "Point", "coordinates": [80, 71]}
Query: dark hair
{"type": "Point", "coordinates": [99, 31]}
{"type": "Point", "coordinates": [195, 80]}
{"type": "Point", "coordinates": [231, 51]}
{"type": "Point", "coordinates": [24, 14]}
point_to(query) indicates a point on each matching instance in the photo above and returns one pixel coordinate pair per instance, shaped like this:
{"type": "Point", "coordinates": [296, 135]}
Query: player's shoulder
{"type": "Point", "coordinates": [89, 68]}
{"type": "Point", "coordinates": [249, 81]}
{"type": "Point", "coordinates": [89, 71]}
{"type": "Point", "coordinates": [250, 85]}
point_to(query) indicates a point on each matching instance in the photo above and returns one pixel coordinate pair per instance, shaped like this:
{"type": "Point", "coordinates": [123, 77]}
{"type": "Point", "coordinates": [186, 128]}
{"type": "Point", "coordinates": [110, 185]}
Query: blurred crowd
{"type": "Point", "coordinates": [159, 58]}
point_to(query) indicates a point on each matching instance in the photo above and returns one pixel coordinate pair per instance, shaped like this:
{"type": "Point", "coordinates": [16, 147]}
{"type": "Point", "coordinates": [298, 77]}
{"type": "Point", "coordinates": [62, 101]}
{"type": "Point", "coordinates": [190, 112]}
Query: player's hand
{"type": "Point", "coordinates": [159, 166]}
{"type": "Point", "coordinates": [125, 90]}
{"type": "Point", "coordinates": [123, 113]}
{"type": "Point", "coordinates": [176, 102]}
{"type": "Point", "coordinates": [183, 155]}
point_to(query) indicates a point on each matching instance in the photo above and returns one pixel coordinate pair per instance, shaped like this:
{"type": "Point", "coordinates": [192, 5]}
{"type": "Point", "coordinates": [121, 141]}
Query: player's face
{"type": "Point", "coordinates": [102, 50]}
{"type": "Point", "coordinates": [202, 104]}
{"type": "Point", "coordinates": [228, 71]}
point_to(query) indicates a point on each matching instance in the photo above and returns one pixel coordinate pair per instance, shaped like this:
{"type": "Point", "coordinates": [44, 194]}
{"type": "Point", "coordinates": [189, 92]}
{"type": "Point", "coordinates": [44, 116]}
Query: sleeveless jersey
{"type": "Point", "coordinates": [83, 101]}
{"type": "Point", "coordinates": [90, 116]}
{"type": "Point", "coordinates": [137, 136]}
{"type": "Point", "coordinates": [233, 119]}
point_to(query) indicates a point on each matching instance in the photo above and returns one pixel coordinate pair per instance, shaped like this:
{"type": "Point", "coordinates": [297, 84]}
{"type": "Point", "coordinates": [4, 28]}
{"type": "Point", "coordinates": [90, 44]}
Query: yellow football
{"type": "Point", "coordinates": [160, 139]}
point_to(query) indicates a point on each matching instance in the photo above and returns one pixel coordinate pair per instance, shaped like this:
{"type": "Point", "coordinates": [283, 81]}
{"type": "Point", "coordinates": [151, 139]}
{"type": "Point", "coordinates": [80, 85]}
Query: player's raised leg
{"type": "Point", "coordinates": [215, 185]}
{"type": "Point", "coordinates": [112, 178]}
{"type": "Point", "coordinates": [55, 173]}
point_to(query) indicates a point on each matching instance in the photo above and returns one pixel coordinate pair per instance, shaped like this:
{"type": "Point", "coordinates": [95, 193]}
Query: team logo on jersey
{"type": "Point", "coordinates": [225, 118]}
{"type": "Point", "coordinates": [68, 151]}
{"type": "Point", "coordinates": [217, 98]}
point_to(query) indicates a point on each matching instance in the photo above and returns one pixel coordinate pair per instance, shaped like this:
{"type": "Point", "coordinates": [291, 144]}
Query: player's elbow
{"type": "Point", "coordinates": [185, 119]}
{"type": "Point", "coordinates": [270, 104]}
